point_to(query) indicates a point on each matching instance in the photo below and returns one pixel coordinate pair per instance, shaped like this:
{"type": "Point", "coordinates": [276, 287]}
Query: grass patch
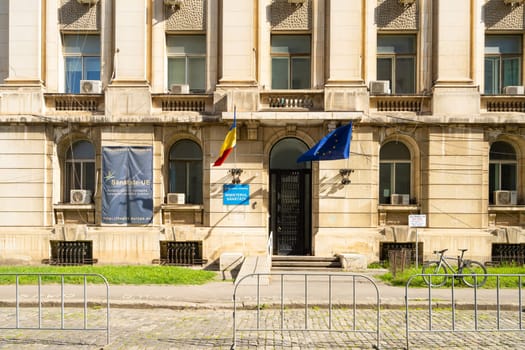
{"type": "Point", "coordinates": [115, 274]}
{"type": "Point", "coordinates": [401, 278]}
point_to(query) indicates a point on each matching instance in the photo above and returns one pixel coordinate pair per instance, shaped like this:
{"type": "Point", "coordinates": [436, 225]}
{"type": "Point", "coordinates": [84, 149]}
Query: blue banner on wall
{"type": "Point", "coordinates": [127, 185]}
{"type": "Point", "coordinates": [236, 194]}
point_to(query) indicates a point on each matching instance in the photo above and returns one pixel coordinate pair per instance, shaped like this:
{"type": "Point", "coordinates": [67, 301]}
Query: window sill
{"type": "Point", "coordinates": [506, 208]}
{"type": "Point", "coordinates": [66, 213]}
{"type": "Point", "coordinates": [394, 214]}
{"type": "Point", "coordinates": [182, 214]}
{"type": "Point", "coordinates": [397, 207]}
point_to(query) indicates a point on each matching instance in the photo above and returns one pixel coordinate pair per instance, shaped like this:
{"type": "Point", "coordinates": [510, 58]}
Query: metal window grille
{"type": "Point", "coordinates": [513, 253]}
{"type": "Point", "coordinates": [181, 253]}
{"type": "Point", "coordinates": [71, 253]}
{"type": "Point", "coordinates": [386, 247]}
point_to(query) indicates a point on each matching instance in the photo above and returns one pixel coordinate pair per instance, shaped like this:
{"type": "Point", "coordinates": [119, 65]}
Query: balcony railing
{"type": "Point", "coordinates": [503, 103]}
{"type": "Point", "coordinates": [401, 103]}
{"type": "Point", "coordinates": [183, 103]}
{"type": "Point", "coordinates": [92, 103]}
{"type": "Point", "coordinates": [292, 100]}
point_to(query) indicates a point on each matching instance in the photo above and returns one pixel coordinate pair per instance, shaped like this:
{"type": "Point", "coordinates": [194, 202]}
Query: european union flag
{"type": "Point", "coordinates": [335, 145]}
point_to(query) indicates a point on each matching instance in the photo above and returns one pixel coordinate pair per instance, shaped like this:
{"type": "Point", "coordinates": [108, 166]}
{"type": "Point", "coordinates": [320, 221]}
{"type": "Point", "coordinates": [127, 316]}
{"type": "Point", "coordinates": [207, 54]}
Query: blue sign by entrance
{"type": "Point", "coordinates": [236, 194]}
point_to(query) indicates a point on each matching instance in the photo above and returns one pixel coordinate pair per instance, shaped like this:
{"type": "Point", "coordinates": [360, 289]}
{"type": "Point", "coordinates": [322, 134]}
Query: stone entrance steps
{"type": "Point", "coordinates": [308, 263]}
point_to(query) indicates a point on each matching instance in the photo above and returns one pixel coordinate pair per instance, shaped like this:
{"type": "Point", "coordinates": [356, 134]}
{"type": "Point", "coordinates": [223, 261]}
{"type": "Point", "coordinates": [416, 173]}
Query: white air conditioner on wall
{"type": "Point", "coordinates": [380, 87]}
{"type": "Point", "coordinates": [180, 89]}
{"type": "Point", "coordinates": [296, 1]}
{"type": "Point", "coordinates": [90, 87]}
{"type": "Point", "coordinates": [400, 199]}
{"type": "Point", "coordinates": [176, 198]}
{"type": "Point", "coordinates": [513, 90]}
{"type": "Point", "coordinates": [80, 197]}
{"type": "Point", "coordinates": [505, 197]}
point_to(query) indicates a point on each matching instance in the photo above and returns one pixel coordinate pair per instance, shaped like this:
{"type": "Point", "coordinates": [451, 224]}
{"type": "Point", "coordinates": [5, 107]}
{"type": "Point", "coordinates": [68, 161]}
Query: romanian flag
{"type": "Point", "coordinates": [229, 142]}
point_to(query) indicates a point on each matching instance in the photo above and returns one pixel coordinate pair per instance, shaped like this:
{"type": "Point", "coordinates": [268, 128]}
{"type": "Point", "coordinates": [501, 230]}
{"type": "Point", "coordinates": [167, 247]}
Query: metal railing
{"type": "Point", "coordinates": [486, 316]}
{"type": "Point", "coordinates": [42, 323]}
{"type": "Point", "coordinates": [324, 282]}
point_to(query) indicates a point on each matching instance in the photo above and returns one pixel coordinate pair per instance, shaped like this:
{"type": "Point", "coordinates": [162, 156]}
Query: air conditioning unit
{"type": "Point", "coordinates": [400, 199]}
{"type": "Point", "coordinates": [505, 197]}
{"type": "Point", "coordinates": [180, 89]}
{"type": "Point", "coordinates": [80, 196]}
{"type": "Point", "coordinates": [88, 2]}
{"type": "Point", "coordinates": [407, 2]}
{"type": "Point", "coordinates": [380, 87]}
{"type": "Point", "coordinates": [513, 90]}
{"type": "Point", "coordinates": [296, 1]}
{"type": "Point", "coordinates": [90, 87]}
{"type": "Point", "coordinates": [176, 198]}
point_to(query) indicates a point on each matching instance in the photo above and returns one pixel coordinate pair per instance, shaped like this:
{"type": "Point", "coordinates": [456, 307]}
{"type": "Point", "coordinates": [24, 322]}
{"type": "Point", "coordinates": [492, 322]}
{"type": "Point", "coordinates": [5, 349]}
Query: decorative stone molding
{"type": "Point", "coordinates": [73, 15]}
{"type": "Point", "coordinates": [397, 15]}
{"type": "Point", "coordinates": [252, 128]}
{"type": "Point", "coordinates": [500, 16]}
{"type": "Point", "coordinates": [513, 2]}
{"type": "Point", "coordinates": [290, 16]}
{"type": "Point", "coordinates": [191, 15]}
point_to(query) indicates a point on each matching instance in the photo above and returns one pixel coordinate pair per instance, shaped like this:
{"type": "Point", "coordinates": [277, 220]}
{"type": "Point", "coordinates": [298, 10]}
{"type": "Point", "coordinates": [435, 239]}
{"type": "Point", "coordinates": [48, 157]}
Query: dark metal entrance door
{"type": "Point", "coordinates": [290, 211]}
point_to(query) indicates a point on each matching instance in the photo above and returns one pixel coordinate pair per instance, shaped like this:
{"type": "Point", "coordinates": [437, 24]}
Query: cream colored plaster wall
{"type": "Point", "coordinates": [131, 40]}
{"type": "Point", "coordinates": [345, 40]}
{"type": "Point", "coordinates": [238, 41]}
{"type": "Point", "coordinates": [26, 160]}
{"type": "Point", "coordinates": [454, 160]}
{"type": "Point", "coordinates": [452, 56]}
{"type": "Point", "coordinates": [4, 40]}
{"type": "Point", "coordinates": [23, 246]}
{"type": "Point", "coordinates": [25, 44]}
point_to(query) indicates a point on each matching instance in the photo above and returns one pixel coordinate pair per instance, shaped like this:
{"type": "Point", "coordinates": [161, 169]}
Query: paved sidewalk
{"type": "Point", "coordinates": [219, 294]}
{"type": "Point", "coordinates": [201, 317]}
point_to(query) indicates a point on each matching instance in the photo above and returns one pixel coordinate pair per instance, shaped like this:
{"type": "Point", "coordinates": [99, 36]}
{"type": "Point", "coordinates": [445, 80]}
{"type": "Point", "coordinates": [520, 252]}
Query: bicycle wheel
{"type": "Point", "coordinates": [434, 274]}
{"type": "Point", "coordinates": [474, 274]}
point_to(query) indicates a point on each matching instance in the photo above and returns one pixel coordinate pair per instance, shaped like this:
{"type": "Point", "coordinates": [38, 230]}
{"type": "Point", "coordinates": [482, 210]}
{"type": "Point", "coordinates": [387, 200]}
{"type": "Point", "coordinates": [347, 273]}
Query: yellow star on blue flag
{"type": "Point", "coordinates": [335, 145]}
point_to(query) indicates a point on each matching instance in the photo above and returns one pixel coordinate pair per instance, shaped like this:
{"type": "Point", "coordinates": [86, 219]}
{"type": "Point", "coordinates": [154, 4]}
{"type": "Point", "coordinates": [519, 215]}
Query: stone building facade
{"type": "Point", "coordinates": [433, 89]}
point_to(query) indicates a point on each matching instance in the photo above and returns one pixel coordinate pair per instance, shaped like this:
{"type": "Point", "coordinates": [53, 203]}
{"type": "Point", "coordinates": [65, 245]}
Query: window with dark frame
{"type": "Point", "coordinates": [79, 168]}
{"type": "Point", "coordinates": [503, 60]}
{"type": "Point", "coordinates": [394, 171]}
{"type": "Point", "coordinates": [185, 170]}
{"type": "Point", "coordinates": [187, 61]}
{"type": "Point", "coordinates": [503, 168]}
{"type": "Point", "coordinates": [396, 62]}
{"type": "Point", "coordinates": [291, 61]}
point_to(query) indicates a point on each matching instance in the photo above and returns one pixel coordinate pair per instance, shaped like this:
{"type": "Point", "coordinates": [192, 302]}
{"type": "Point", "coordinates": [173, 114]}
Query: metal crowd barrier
{"type": "Point", "coordinates": [488, 315]}
{"type": "Point", "coordinates": [349, 296]}
{"type": "Point", "coordinates": [42, 322]}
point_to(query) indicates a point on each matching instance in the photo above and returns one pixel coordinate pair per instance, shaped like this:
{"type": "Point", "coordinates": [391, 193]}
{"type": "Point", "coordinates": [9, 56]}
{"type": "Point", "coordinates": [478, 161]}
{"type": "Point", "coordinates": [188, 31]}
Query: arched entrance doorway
{"type": "Point", "coordinates": [290, 198]}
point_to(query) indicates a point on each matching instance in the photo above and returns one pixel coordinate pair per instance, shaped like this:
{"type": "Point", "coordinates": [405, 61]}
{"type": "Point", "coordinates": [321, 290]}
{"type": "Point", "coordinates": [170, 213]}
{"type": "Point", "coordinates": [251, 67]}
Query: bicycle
{"type": "Point", "coordinates": [471, 272]}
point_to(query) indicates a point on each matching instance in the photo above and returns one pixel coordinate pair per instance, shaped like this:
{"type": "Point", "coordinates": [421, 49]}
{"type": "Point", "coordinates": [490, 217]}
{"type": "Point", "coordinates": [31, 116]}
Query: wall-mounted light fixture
{"type": "Point", "coordinates": [345, 174]}
{"type": "Point", "coordinates": [236, 174]}
{"type": "Point", "coordinates": [513, 2]}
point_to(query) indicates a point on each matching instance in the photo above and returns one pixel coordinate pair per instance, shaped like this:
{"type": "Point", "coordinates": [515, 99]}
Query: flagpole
{"type": "Point", "coordinates": [235, 121]}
